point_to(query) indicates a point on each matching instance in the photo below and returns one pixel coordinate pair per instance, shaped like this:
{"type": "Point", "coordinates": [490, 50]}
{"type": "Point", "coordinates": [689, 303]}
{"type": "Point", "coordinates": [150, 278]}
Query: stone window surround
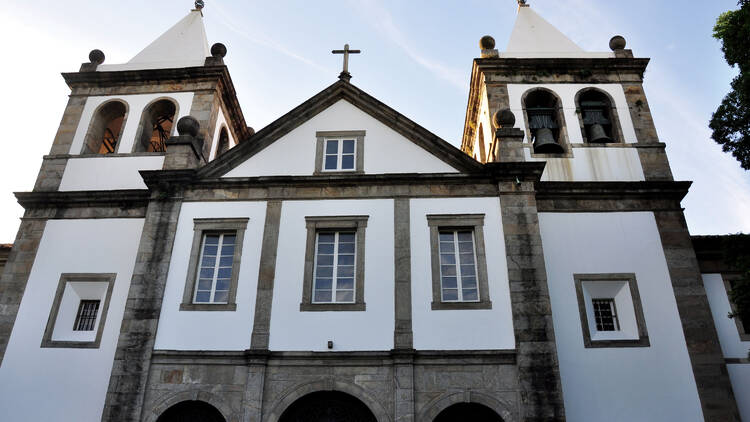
{"type": "Point", "coordinates": [617, 135]}
{"type": "Point", "coordinates": [359, 150]}
{"type": "Point", "coordinates": [65, 278]}
{"type": "Point", "coordinates": [563, 140]}
{"type": "Point", "coordinates": [201, 227]}
{"type": "Point", "coordinates": [744, 332]}
{"type": "Point", "coordinates": [642, 341]}
{"type": "Point", "coordinates": [322, 223]}
{"type": "Point", "coordinates": [475, 222]}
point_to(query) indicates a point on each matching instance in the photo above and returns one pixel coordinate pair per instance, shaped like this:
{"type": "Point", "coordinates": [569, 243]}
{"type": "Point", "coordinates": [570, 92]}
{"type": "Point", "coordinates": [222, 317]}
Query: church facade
{"type": "Point", "coordinates": [344, 263]}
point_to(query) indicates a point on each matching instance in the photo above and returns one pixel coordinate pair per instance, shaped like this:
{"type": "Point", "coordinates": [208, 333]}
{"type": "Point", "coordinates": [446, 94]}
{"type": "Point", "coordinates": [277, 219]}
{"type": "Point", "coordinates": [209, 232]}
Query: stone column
{"type": "Point", "coordinates": [266, 276]}
{"type": "Point", "coordinates": [538, 367]}
{"type": "Point", "coordinates": [709, 369]}
{"type": "Point", "coordinates": [509, 140]}
{"type": "Point", "coordinates": [403, 354]}
{"type": "Point", "coordinates": [651, 152]}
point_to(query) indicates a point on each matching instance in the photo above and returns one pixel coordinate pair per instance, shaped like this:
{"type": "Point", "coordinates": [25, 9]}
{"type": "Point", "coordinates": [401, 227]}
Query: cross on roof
{"type": "Point", "coordinates": [346, 52]}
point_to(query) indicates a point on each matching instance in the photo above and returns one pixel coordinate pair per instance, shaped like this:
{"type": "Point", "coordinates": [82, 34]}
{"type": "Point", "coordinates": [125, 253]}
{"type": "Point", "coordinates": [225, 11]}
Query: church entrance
{"type": "Point", "coordinates": [327, 406]}
{"type": "Point", "coordinates": [468, 412]}
{"type": "Point", "coordinates": [191, 411]}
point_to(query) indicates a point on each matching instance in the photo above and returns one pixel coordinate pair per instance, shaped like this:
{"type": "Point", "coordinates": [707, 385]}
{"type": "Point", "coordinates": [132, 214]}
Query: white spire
{"type": "Point", "coordinates": [533, 36]}
{"type": "Point", "coordinates": [182, 45]}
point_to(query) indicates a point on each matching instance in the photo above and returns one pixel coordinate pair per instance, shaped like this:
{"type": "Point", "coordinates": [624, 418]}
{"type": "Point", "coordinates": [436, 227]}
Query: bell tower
{"type": "Point", "coordinates": [584, 113]}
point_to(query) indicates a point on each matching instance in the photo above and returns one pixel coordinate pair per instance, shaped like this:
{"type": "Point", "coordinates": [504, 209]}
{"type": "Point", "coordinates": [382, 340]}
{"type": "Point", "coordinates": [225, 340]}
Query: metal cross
{"type": "Point", "coordinates": [346, 53]}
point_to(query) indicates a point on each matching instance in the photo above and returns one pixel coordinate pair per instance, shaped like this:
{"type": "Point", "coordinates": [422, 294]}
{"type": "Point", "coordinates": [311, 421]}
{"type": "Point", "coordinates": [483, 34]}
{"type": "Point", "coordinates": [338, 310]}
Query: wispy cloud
{"type": "Point", "coordinates": [381, 19]}
{"type": "Point", "coordinates": [224, 18]}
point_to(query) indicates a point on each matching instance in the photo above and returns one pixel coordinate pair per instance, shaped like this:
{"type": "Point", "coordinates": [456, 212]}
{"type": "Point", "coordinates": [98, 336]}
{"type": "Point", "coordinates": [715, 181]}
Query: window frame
{"type": "Point", "coordinates": [66, 278]}
{"type": "Point", "coordinates": [317, 224]}
{"type": "Point", "coordinates": [359, 151]}
{"type": "Point", "coordinates": [629, 278]}
{"type": "Point", "coordinates": [475, 223]}
{"type": "Point", "coordinates": [201, 227]}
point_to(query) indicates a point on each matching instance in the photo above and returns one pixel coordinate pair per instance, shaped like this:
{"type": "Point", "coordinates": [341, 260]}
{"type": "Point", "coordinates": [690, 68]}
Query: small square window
{"type": "Point", "coordinates": [213, 271]}
{"type": "Point", "coordinates": [339, 152]}
{"type": "Point", "coordinates": [334, 264]}
{"type": "Point", "coordinates": [459, 266]}
{"type": "Point", "coordinates": [86, 317]}
{"type": "Point", "coordinates": [605, 315]}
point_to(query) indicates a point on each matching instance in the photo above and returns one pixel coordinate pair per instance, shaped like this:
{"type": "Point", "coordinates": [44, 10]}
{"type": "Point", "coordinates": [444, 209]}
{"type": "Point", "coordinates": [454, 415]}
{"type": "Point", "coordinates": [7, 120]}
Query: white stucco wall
{"type": "Point", "coordinates": [739, 375]}
{"type": "Point", "coordinates": [726, 328]}
{"type": "Point", "coordinates": [386, 151]}
{"type": "Point", "coordinates": [371, 329]}
{"type": "Point", "coordinates": [211, 330]}
{"type": "Point", "coordinates": [62, 383]}
{"type": "Point", "coordinates": [653, 383]}
{"type": "Point", "coordinates": [221, 121]}
{"type": "Point", "coordinates": [460, 329]}
{"type": "Point", "coordinates": [106, 173]}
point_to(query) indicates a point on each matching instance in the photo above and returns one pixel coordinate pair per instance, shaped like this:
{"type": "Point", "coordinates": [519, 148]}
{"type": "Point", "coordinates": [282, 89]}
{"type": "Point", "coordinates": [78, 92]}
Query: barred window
{"type": "Point", "coordinates": [605, 315]}
{"type": "Point", "coordinates": [458, 270]}
{"type": "Point", "coordinates": [86, 316]}
{"type": "Point", "coordinates": [334, 267]}
{"type": "Point", "coordinates": [215, 273]}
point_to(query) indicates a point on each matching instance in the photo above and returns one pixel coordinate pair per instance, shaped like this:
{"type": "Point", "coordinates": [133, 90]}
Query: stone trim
{"type": "Point", "coordinates": [266, 277]}
{"type": "Point", "coordinates": [65, 278]}
{"type": "Point", "coordinates": [403, 336]}
{"type": "Point", "coordinates": [458, 221]}
{"type": "Point", "coordinates": [642, 341]}
{"type": "Point", "coordinates": [359, 137]}
{"type": "Point", "coordinates": [744, 332]}
{"type": "Point", "coordinates": [203, 226]}
{"type": "Point", "coordinates": [317, 224]}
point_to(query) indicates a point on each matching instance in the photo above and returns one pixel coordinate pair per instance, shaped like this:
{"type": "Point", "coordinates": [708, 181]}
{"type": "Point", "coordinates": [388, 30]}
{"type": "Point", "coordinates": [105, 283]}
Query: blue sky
{"type": "Point", "coordinates": [417, 58]}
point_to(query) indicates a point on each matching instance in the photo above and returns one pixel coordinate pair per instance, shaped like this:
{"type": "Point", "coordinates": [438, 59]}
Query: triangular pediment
{"type": "Point", "coordinates": [290, 145]}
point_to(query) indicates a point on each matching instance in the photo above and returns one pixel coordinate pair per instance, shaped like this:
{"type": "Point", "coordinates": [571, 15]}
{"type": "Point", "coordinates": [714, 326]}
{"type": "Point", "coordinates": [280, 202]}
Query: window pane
{"type": "Point", "coordinates": [468, 270]}
{"type": "Point", "coordinates": [446, 237]}
{"type": "Point", "coordinates": [325, 248]}
{"type": "Point", "coordinates": [210, 250]}
{"type": "Point", "coordinates": [470, 294]}
{"type": "Point", "coordinates": [326, 259]}
{"type": "Point", "coordinates": [212, 239]}
{"type": "Point", "coordinates": [208, 261]}
{"type": "Point", "coordinates": [348, 146]}
{"type": "Point", "coordinates": [467, 258]}
{"type": "Point", "coordinates": [345, 271]}
{"type": "Point", "coordinates": [469, 282]}
{"type": "Point", "coordinates": [346, 248]}
{"type": "Point", "coordinates": [326, 237]}
{"type": "Point", "coordinates": [346, 259]}
{"type": "Point", "coordinates": [346, 237]}
{"type": "Point", "coordinates": [447, 247]}
{"type": "Point", "coordinates": [346, 296]}
{"type": "Point", "coordinates": [331, 162]}
{"type": "Point", "coordinates": [448, 270]}
{"type": "Point", "coordinates": [322, 296]}
{"type": "Point", "coordinates": [205, 284]}
{"type": "Point", "coordinates": [332, 147]}
{"type": "Point", "coordinates": [202, 297]}
{"type": "Point", "coordinates": [229, 239]}
{"type": "Point", "coordinates": [465, 247]}
{"type": "Point", "coordinates": [225, 272]}
{"type": "Point", "coordinates": [323, 283]}
{"type": "Point", "coordinates": [207, 272]}
{"type": "Point", "coordinates": [447, 259]}
{"type": "Point", "coordinates": [227, 250]}
{"type": "Point", "coordinates": [450, 282]}
{"type": "Point", "coordinates": [464, 237]}
{"type": "Point", "coordinates": [347, 162]}
{"type": "Point", "coordinates": [225, 261]}
{"type": "Point", "coordinates": [324, 271]}
{"type": "Point", "coordinates": [222, 284]}
{"type": "Point", "coordinates": [345, 283]}
{"type": "Point", "coordinates": [450, 294]}
{"type": "Point", "coordinates": [221, 296]}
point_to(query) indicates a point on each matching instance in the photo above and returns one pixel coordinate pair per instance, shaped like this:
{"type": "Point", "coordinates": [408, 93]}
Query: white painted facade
{"type": "Point", "coordinates": [628, 384]}
{"type": "Point", "coordinates": [44, 383]}
{"type": "Point", "coordinates": [385, 151]}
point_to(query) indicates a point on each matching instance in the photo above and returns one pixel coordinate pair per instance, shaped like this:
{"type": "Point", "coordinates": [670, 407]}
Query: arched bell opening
{"type": "Point", "coordinates": [545, 121]}
{"type": "Point", "coordinates": [482, 146]}
{"type": "Point", "coordinates": [105, 129]}
{"type": "Point", "coordinates": [156, 126]}
{"type": "Point", "coordinates": [223, 144]}
{"type": "Point", "coordinates": [598, 118]}
{"type": "Point", "coordinates": [191, 411]}
{"type": "Point", "coordinates": [473, 412]}
{"type": "Point", "coordinates": [328, 406]}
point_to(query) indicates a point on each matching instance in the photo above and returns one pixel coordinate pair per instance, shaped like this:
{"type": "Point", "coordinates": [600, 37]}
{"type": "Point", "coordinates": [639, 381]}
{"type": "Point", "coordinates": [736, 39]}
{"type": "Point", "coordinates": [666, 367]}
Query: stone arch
{"type": "Point", "coordinates": [432, 410]}
{"type": "Point", "coordinates": [617, 134]}
{"type": "Point", "coordinates": [170, 400]}
{"type": "Point", "coordinates": [292, 395]}
{"type": "Point", "coordinates": [151, 115]}
{"type": "Point", "coordinates": [109, 117]}
{"type": "Point", "coordinates": [562, 134]}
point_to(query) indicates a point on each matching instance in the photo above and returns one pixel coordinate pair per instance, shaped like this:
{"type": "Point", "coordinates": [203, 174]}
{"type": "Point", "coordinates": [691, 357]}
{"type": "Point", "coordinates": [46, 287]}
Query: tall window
{"type": "Point", "coordinates": [86, 316]}
{"type": "Point", "coordinates": [105, 130]}
{"type": "Point", "coordinates": [215, 274]}
{"type": "Point", "coordinates": [544, 117]}
{"type": "Point", "coordinates": [596, 116]}
{"type": "Point", "coordinates": [334, 267]}
{"type": "Point", "coordinates": [458, 268]}
{"type": "Point", "coordinates": [339, 154]}
{"type": "Point", "coordinates": [156, 126]}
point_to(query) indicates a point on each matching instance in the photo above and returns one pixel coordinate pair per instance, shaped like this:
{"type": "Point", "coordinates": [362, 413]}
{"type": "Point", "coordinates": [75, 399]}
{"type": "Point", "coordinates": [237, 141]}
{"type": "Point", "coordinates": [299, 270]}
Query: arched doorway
{"type": "Point", "coordinates": [191, 411]}
{"type": "Point", "coordinates": [327, 406]}
{"type": "Point", "coordinates": [468, 412]}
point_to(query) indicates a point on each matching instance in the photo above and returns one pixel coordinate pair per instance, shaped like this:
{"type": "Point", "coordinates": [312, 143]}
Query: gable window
{"type": "Point", "coordinates": [597, 116]}
{"type": "Point", "coordinates": [610, 310]}
{"type": "Point", "coordinates": [334, 264]}
{"type": "Point", "coordinates": [86, 317]}
{"type": "Point", "coordinates": [156, 126]}
{"type": "Point", "coordinates": [105, 129]}
{"type": "Point", "coordinates": [459, 266]}
{"type": "Point", "coordinates": [213, 270]}
{"type": "Point", "coordinates": [339, 152]}
{"type": "Point", "coordinates": [545, 121]}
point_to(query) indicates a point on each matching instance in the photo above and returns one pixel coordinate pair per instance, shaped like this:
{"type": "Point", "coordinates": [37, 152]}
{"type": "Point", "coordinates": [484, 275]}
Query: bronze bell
{"type": "Point", "coordinates": [598, 135]}
{"type": "Point", "coordinates": [544, 142]}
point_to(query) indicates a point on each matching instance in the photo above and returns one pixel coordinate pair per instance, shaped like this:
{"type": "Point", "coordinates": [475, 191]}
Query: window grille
{"type": "Point", "coordinates": [605, 315]}
{"type": "Point", "coordinates": [86, 317]}
{"type": "Point", "coordinates": [458, 270]}
{"type": "Point", "coordinates": [335, 264]}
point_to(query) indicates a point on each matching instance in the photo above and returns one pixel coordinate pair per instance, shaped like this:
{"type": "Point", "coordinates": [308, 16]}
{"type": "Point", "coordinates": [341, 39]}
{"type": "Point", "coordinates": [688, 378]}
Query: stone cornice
{"type": "Point", "coordinates": [610, 196]}
{"type": "Point", "coordinates": [117, 198]}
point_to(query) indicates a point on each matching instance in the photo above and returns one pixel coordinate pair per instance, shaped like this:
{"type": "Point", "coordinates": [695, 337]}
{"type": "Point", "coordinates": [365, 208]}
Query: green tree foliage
{"type": "Point", "coordinates": [731, 121]}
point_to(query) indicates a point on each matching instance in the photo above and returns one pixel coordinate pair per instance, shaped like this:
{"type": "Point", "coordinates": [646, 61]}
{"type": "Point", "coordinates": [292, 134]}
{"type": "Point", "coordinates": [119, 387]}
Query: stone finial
{"type": "Point", "coordinates": [96, 57]}
{"type": "Point", "coordinates": [219, 50]}
{"type": "Point", "coordinates": [617, 43]}
{"type": "Point", "coordinates": [486, 43]}
{"type": "Point", "coordinates": [503, 119]}
{"type": "Point", "coordinates": [199, 4]}
{"type": "Point", "coordinates": [188, 125]}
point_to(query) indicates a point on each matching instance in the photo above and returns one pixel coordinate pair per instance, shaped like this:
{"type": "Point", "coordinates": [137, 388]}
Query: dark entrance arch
{"type": "Point", "coordinates": [191, 411]}
{"type": "Point", "coordinates": [327, 406]}
{"type": "Point", "coordinates": [474, 412]}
